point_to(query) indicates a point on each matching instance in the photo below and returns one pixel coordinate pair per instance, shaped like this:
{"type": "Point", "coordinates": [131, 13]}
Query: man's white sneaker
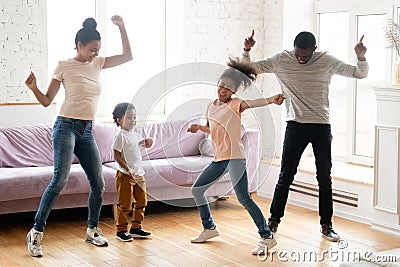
{"type": "Point", "coordinates": [264, 245]}
{"type": "Point", "coordinates": [205, 235]}
{"type": "Point", "coordinates": [95, 236]}
{"type": "Point", "coordinates": [34, 242]}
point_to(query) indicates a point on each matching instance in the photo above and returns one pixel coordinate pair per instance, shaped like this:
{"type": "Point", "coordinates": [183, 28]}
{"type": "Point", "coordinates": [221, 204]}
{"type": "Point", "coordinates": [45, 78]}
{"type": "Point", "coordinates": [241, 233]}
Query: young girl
{"type": "Point", "coordinates": [72, 132]}
{"type": "Point", "coordinates": [223, 123]}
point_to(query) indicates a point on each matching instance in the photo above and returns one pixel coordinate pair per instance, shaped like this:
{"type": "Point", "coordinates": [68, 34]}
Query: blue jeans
{"type": "Point", "coordinates": [238, 174]}
{"type": "Point", "coordinates": [297, 137]}
{"type": "Point", "coordinates": [73, 136]}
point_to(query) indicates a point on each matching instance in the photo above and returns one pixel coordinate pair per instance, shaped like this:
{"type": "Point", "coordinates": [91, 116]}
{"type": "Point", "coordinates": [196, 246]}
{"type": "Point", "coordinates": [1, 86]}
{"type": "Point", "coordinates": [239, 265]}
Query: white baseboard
{"type": "Point", "coordinates": [385, 228]}
{"type": "Point", "coordinates": [314, 207]}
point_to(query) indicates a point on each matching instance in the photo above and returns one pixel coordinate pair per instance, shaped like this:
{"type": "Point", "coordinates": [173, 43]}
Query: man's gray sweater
{"type": "Point", "coordinates": [306, 86]}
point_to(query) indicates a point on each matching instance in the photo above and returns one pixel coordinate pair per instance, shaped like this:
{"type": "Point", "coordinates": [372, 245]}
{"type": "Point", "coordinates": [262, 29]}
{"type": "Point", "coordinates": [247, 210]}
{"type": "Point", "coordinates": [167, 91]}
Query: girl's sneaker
{"type": "Point", "coordinates": [205, 235]}
{"type": "Point", "coordinates": [264, 245]}
{"type": "Point", "coordinates": [95, 236]}
{"type": "Point", "coordinates": [124, 236]}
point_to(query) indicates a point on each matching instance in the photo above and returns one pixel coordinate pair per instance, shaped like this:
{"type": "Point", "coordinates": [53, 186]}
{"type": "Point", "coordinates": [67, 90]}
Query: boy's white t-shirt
{"type": "Point", "coordinates": [127, 142]}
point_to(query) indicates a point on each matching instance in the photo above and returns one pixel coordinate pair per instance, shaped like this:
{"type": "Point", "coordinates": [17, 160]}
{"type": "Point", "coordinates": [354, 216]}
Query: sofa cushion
{"type": "Point", "coordinates": [26, 146]}
{"type": "Point", "coordinates": [206, 147]}
{"type": "Point", "coordinates": [104, 136]}
{"type": "Point", "coordinates": [31, 146]}
{"type": "Point", "coordinates": [171, 139]}
{"type": "Point", "coordinates": [181, 171]}
{"type": "Point", "coordinates": [30, 182]}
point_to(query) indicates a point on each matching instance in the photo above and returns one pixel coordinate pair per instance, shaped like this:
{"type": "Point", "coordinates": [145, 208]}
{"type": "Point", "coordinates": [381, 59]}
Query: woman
{"type": "Point", "coordinates": [72, 132]}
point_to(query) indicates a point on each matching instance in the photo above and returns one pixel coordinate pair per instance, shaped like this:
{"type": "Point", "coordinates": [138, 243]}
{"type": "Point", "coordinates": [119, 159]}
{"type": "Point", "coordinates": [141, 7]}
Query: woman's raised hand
{"type": "Point", "coordinates": [117, 20]}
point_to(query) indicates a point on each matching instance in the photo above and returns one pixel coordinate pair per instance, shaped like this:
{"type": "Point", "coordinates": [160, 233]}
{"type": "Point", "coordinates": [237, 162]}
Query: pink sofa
{"type": "Point", "coordinates": [172, 164]}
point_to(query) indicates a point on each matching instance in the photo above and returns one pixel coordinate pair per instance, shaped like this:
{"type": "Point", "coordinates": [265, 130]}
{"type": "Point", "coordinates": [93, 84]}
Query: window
{"type": "Point", "coordinates": [155, 31]}
{"type": "Point", "coordinates": [333, 37]}
{"type": "Point", "coordinates": [353, 107]}
{"type": "Point", "coordinates": [364, 97]}
{"type": "Point", "coordinates": [61, 31]}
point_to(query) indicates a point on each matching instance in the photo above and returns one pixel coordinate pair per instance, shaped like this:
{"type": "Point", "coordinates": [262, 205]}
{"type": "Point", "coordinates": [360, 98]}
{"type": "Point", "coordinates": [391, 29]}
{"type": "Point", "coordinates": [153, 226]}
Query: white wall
{"type": "Point", "coordinates": [215, 30]}
{"type": "Point", "coordinates": [26, 114]}
{"type": "Point", "coordinates": [22, 47]}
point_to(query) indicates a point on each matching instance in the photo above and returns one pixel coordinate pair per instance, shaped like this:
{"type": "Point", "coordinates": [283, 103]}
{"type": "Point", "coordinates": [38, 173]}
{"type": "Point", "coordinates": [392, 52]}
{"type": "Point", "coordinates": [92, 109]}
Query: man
{"type": "Point", "coordinates": [304, 76]}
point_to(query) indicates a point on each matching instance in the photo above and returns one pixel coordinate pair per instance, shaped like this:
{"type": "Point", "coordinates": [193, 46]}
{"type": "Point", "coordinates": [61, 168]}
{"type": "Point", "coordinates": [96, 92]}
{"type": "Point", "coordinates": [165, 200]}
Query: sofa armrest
{"type": "Point", "coordinates": [251, 143]}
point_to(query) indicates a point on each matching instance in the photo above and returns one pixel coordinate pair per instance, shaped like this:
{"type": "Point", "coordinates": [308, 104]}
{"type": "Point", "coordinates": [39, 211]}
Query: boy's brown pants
{"type": "Point", "coordinates": [130, 189]}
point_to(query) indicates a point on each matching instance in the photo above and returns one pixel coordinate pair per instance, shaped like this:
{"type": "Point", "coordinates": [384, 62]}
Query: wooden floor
{"type": "Point", "coordinates": [169, 245]}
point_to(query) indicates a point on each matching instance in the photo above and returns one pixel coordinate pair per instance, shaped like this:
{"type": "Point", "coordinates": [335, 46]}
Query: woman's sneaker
{"type": "Point", "coordinates": [124, 236]}
{"type": "Point", "coordinates": [264, 245]}
{"type": "Point", "coordinates": [205, 235]}
{"type": "Point", "coordinates": [34, 242]}
{"type": "Point", "coordinates": [139, 233]}
{"type": "Point", "coordinates": [95, 236]}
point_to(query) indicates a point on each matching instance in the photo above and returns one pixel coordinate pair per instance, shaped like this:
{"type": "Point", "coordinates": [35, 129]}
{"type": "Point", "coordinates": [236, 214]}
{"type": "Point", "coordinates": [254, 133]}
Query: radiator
{"type": "Point", "coordinates": [339, 196]}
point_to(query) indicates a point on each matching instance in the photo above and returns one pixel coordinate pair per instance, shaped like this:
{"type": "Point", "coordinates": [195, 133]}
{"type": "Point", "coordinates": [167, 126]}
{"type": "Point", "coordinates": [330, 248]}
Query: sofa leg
{"type": "Point", "coordinates": [253, 194]}
{"type": "Point", "coordinates": [115, 211]}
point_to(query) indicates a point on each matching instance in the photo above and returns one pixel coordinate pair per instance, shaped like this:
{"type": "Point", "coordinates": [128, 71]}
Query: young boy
{"type": "Point", "coordinates": [129, 178]}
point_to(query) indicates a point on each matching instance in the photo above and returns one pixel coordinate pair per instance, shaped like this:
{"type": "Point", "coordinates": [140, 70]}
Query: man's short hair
{"type": "Point", "coordinates": [305, 40]}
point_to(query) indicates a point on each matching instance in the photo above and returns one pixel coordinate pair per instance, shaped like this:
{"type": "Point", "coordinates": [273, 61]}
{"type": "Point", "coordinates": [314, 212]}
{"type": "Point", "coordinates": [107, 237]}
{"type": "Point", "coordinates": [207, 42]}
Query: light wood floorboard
{"type": "Point", "coordinates": [172, 227]}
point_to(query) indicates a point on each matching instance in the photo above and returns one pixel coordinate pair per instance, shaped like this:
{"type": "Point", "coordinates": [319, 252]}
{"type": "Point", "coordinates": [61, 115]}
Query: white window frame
{"type": "Point", "coordinates": [356, 8]}
{"type": "Point", "coordinates": [171, 50]}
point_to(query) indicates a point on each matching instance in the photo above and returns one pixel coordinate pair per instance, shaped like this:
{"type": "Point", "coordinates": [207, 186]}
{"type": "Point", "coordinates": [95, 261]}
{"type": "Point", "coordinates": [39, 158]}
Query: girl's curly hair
{"type": "Point", "coordinates": [243, 73]}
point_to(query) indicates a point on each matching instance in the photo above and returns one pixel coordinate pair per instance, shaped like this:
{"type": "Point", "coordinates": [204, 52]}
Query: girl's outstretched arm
{"type": "Point", "coordinates": [147, 142]}
{"type": "Point", "coordinates": [195, 127]}
{"type": "Point", "coordinates": [126, 47]}
{"type": "Point", "coordinates": [276, 99]}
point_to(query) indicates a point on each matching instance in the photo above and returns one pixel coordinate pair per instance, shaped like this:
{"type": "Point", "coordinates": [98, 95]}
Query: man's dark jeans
{"type": "Point", "coordinates": [297, 137]}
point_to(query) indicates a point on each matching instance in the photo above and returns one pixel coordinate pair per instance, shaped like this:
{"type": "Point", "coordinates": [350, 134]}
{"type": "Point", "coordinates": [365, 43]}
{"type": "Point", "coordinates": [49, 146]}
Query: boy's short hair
{"type": "Point", "coordinates": [120, 110]}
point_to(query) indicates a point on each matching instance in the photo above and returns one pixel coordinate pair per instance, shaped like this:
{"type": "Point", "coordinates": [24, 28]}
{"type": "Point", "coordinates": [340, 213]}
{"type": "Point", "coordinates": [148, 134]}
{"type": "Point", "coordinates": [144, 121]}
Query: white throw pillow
{"type": "Point", "coordinates": [206, 147]}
